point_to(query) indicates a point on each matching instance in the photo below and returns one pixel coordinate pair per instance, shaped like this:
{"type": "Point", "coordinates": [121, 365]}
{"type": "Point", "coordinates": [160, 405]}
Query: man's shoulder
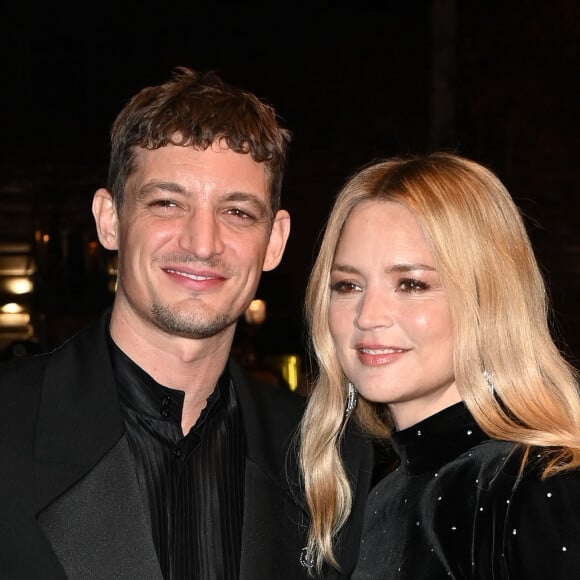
{"type": "Point", "coordinates": [21, 370]}
{"type": "Point", "coordinates": [22, 379]}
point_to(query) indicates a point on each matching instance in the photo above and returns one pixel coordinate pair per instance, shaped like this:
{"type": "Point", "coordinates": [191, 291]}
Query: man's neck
{"type": "Point", "coordinates": [190, 365]}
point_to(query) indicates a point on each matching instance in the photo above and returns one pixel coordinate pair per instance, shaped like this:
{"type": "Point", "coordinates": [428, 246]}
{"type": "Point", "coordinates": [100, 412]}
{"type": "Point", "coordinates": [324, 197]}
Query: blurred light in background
{"type": "Point", "coordinates": [289, 367]}
{"type": "Point", "coordinates": [16, 285]}
{"type": "Point", "coordinates": [13, 315]}
{"type": "Point", "coordinates": [256, 312]}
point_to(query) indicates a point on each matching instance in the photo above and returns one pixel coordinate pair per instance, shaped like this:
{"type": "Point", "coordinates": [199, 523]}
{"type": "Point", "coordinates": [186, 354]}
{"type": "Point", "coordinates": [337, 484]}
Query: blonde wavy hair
{"type": "Point", "coordinates": [501, 323]}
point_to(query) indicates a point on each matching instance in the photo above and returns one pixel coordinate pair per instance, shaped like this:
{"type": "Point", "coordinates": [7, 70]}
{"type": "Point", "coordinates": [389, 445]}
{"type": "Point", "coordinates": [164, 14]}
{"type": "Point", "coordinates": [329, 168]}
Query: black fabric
{"type": "Point", "coordinates": [83, 524]}
{"type": "Point", "coordinates": [193, 485]}
{"type": "Point", "coordinates": [455, 509]}
{"type": "Point", "coordinates": [61, 418]}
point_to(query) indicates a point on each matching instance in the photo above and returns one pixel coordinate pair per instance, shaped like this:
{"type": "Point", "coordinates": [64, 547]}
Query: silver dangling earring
{"type": "Point", "coordinates": [306, 558]}
{"type": "Point", "coordinates": [351, 399]}
{"type": "Point", "coordinates": [489, 380]}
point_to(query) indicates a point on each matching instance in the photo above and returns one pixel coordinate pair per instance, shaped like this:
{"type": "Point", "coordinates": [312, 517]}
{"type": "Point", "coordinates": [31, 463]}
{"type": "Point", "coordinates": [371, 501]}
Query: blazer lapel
{"type": "Point", "coordinates": [275, 516]}
{"type": "Point", "coordinates": [79, 416]}
{"type": "Point", "coordinates": [89, 506]}
{"type": "Point", "coordinates": [99, 528]}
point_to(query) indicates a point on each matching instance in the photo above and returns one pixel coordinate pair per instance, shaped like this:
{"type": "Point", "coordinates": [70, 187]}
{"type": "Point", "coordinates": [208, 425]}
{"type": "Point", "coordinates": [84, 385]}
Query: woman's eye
{"type": "Point", "coordinates": [412, 285]}
{"type": "Point", "coordinates": [344, 287]}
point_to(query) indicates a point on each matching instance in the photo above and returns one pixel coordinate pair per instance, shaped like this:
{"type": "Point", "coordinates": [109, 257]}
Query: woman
{"type": "Point", "coordinates": [426, 302]}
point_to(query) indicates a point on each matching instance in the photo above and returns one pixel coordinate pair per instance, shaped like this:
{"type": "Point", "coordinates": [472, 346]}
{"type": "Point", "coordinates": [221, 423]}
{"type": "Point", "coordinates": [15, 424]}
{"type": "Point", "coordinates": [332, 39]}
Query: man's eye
{"type": "Point", "coordinates": [239, 213]}
{"type": "Point", "coordinates": [163, 203]}
{"type": "Point", "coordinates": [412, 285]}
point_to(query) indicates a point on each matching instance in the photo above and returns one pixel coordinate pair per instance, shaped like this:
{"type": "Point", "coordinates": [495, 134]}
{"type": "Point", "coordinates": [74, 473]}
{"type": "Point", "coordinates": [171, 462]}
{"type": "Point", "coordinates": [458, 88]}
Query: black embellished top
{"type": "Point", "coordinates": [455, 508]}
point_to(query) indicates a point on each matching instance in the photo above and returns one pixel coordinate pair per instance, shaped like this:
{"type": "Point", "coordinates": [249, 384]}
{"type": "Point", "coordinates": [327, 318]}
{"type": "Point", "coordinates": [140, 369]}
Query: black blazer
{"type": "Point", "coordinates": [69, 503]}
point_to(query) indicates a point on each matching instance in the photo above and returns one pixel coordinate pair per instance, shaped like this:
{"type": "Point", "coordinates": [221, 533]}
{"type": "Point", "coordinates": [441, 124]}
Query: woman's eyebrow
{"type": "Point", "coordinates": [403, 267]}
{"type": "Point", "coordinates": [406, 267]}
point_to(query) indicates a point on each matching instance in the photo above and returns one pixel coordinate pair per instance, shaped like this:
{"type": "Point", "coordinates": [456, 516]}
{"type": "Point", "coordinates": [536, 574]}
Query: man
{"type": "Point", "coordinates": [138, 449]}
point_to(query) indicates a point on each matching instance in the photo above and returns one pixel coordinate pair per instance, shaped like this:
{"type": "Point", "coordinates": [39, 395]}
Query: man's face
{"type": "Point", "coordinates": [193, 236]}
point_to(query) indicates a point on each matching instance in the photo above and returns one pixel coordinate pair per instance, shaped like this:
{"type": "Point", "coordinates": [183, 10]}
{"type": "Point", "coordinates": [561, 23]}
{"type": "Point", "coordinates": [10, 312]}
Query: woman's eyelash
{"type": "Point", "coordinates": [412, 284]}
{"type": "Point", "coordinates": [343, 286]}
{"type": "Point", "coordinates": [403, 284]}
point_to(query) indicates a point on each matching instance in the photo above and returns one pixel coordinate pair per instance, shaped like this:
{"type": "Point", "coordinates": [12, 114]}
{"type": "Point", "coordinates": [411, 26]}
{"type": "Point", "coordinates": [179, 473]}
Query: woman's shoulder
{"type": "Point", "coordinates": [561, 489]}
{"type": "Point", "coordinates": [484, 463]}
{"type": "Point", "coordinates": [543, 524]}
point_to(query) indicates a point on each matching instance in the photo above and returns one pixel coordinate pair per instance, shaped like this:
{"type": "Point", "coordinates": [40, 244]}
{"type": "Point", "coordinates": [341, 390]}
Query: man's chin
{"type": "Point", "coordinates": [195, 327]}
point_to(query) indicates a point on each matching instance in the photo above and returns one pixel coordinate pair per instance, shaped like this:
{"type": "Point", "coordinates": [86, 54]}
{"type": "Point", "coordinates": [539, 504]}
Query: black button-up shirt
{"type": "Point", "coordinates": [192, 486]}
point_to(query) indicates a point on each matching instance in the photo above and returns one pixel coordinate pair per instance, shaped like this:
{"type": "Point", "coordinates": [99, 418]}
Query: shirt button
{"type": "Point", "coordinates": [177, 452]}
{"type": "Point", "coordinates": [165, 406]}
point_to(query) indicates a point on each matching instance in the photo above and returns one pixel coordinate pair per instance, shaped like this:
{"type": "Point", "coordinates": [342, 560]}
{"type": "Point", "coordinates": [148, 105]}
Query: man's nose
{"type": "Point", "coordinates": [201, 234]}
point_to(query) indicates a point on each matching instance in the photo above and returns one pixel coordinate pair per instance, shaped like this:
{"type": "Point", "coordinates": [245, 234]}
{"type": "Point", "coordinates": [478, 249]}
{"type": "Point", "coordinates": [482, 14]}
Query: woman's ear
{"type": "Point", "coordinates": [278, 238]}
{"type": "Point", "coordinates": [106, 219]}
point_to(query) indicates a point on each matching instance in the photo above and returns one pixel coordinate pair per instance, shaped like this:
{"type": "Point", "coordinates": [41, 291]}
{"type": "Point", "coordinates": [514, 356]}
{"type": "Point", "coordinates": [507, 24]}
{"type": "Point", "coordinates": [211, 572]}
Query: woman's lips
{"type": "Point", "coordinates": [376, 355]}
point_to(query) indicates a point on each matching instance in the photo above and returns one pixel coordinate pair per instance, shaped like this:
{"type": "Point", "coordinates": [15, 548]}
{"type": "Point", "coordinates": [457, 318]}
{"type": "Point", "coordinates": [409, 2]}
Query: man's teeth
{"type": "Point", "coordinates": [187, 275]}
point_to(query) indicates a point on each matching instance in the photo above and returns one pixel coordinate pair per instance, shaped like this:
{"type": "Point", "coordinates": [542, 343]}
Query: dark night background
{"type": "Point", "coordinates": [492, 80]}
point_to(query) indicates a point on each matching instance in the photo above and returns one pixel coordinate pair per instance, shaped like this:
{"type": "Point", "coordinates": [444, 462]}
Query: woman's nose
{"type": "Point", "coordinates": [375, 309]}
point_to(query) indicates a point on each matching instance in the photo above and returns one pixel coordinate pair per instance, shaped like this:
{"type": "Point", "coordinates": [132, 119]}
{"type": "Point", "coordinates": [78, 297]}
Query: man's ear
{"type": "Point", "coordinates": [278, 238]}
{"type": "Point", "coordinates": [106, 219]}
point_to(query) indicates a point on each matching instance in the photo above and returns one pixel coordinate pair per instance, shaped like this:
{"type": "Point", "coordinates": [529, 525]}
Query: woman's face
{"type": "Point", "coordinates": [388, 314]}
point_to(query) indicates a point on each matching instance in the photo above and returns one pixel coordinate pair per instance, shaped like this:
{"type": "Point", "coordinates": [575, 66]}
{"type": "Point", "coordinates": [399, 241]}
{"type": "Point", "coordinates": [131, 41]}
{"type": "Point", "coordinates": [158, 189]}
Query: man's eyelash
{"type": "Point", "coordinates": [241, 213]}
{"type": "Point", "coordinates": [162, 203]}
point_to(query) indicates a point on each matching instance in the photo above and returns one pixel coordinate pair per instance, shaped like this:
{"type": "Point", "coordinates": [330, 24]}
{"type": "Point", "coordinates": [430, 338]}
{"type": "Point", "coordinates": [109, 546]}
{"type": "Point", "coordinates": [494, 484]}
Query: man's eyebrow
{"type": "Point", "coordinates": [170, 186]}
{"type": "Point", "coordinates": [243, 196]}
